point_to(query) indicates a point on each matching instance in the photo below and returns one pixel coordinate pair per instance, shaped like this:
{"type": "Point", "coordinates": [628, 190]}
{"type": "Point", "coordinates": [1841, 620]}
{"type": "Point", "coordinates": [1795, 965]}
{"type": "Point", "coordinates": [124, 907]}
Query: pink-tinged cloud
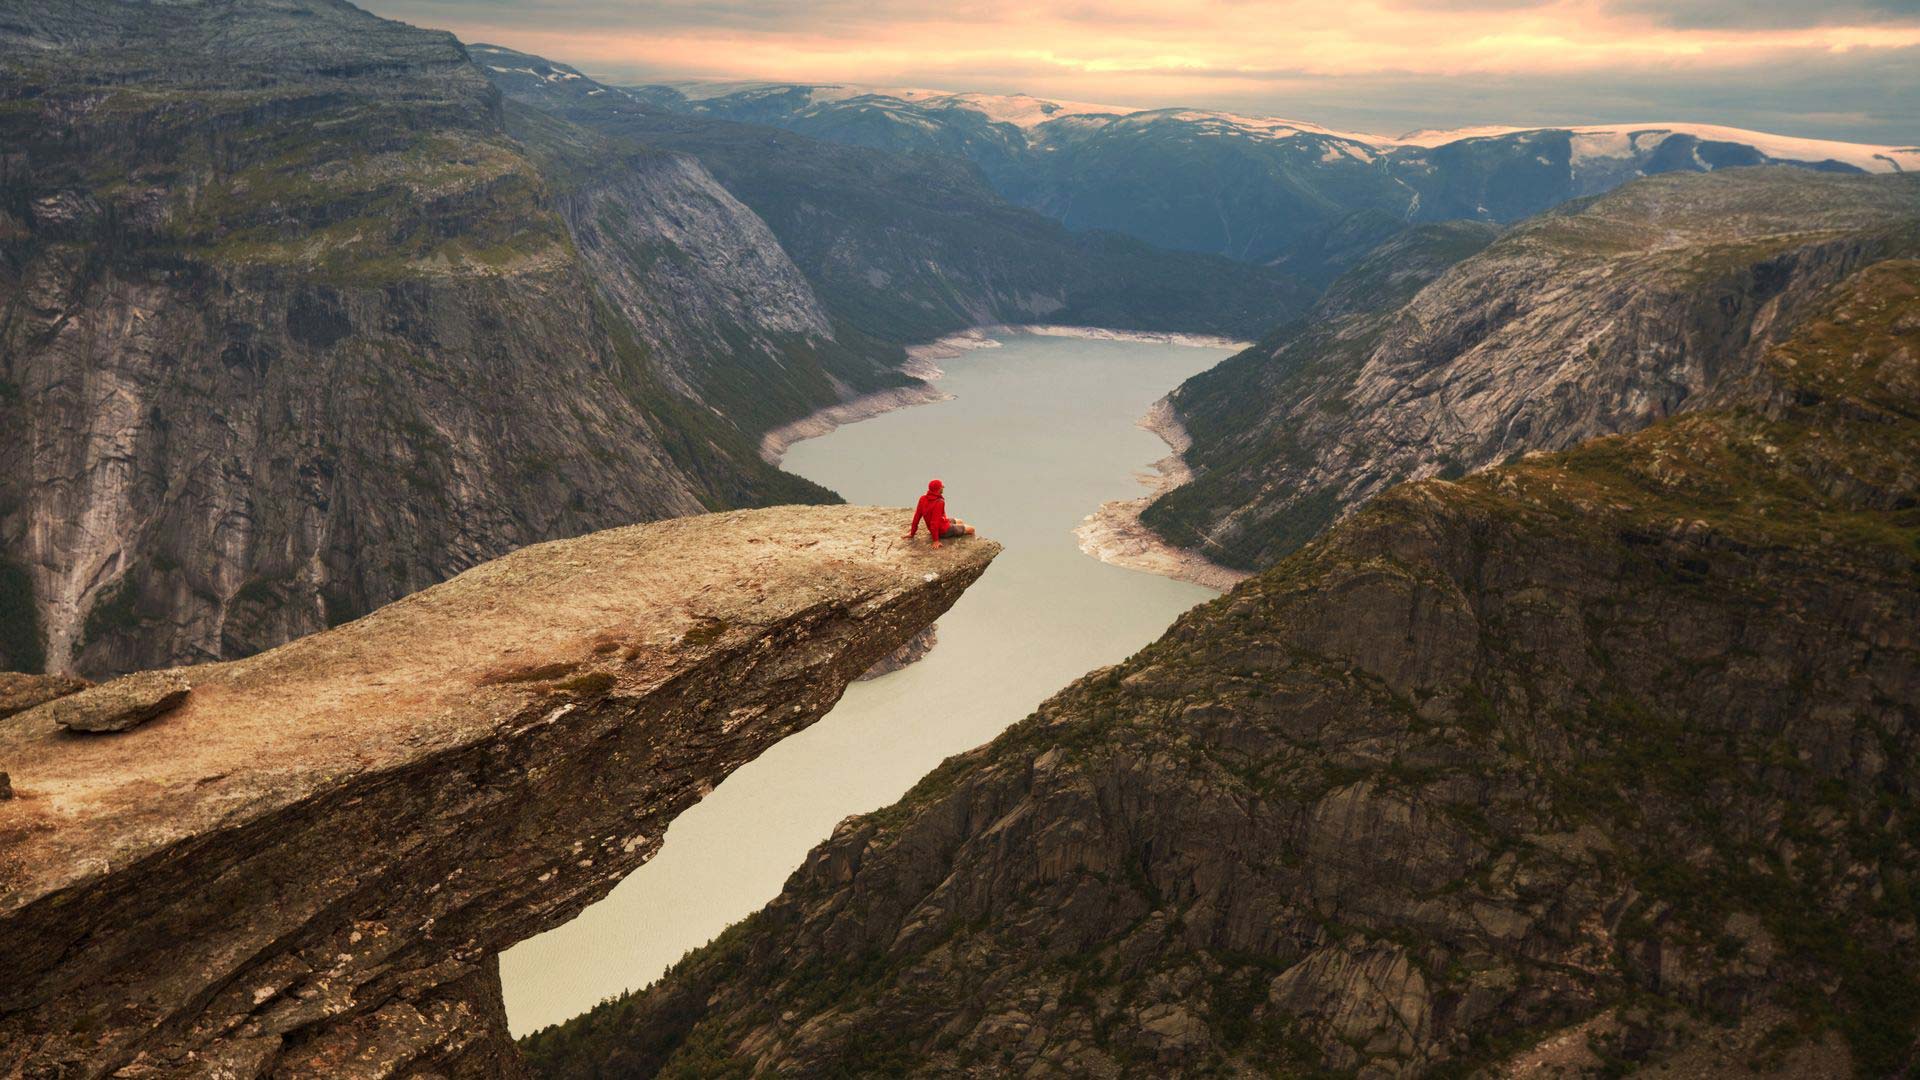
{"type": "Point", "coordinates": [1199, 51]}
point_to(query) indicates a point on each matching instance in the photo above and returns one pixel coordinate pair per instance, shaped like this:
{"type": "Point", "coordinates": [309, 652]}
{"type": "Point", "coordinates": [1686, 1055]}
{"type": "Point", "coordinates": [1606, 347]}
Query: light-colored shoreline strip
{"type": "Point", "coordinates": [1114, 534]}
{"type": "Point", "coordinates": [774, 444]}
{"type": "Point", "coordinates": [1099, 333]}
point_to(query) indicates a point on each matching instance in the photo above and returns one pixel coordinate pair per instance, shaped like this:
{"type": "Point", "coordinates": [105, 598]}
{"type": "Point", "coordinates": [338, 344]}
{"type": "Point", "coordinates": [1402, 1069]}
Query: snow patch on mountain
{"type": "Point", "coordinates": [1593, 144]}
{"type": "Point", "coordinates": [1614, 141]}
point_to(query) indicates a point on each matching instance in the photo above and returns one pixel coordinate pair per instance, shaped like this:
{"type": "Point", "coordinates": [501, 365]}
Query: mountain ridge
{"type": "Point", "coordinates": [906, 246]}
{"type": "Point", "coordinates": [1260, 188]}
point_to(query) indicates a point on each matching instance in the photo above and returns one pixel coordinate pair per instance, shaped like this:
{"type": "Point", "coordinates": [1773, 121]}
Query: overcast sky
{"type": "Point", "coordinates": [1846, 69]}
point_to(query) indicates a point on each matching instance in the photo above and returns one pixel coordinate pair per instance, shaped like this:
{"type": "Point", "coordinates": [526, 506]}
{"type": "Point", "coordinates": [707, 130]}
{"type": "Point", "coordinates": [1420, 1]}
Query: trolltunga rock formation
{"type": "Point", "coordinates": [310, 867]}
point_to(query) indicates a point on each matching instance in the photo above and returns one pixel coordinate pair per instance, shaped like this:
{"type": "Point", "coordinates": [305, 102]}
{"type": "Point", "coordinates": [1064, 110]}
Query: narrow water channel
{"type": "Point", "coordinates": [1038, 434]}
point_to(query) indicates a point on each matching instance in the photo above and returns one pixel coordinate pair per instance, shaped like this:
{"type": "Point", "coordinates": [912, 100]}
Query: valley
{"type": "Point", "coordinates": [1037, 433]}
{"type": "Point", "coordinates": [453, 449]}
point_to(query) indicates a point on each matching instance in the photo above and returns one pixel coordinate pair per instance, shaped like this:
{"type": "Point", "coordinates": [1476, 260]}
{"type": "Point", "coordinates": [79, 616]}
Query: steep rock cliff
{"type": "Point", "coordinates": [1600, 758]}
{"type": "Point", "coordinates": [1602, 317]}
{"type": "Point", "coordinates": [291, 325]}
{"type": "Point", "coordinates": [309, 868]}
{"type": "Point", "coordinates": [702, 279]}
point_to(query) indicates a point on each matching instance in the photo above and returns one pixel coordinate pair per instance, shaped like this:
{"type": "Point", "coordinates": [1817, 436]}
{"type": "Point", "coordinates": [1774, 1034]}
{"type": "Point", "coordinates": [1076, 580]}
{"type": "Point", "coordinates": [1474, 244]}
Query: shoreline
{"type": "Point", "coordinates": [1115, 535]}
{"type": "Point", "coordinates": [1098, 333]}
{"type": "Point", "coordinates": [774, 444]}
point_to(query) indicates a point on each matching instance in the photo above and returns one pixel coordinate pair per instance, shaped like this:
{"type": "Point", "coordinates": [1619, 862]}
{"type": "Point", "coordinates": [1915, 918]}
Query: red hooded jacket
{"type": "Point", "coordinates": [932, 509]}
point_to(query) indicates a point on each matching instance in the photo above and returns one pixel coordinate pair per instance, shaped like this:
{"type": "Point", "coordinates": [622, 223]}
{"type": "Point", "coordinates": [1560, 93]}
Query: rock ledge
{"type": "Point", "coordinates": [311, 866]}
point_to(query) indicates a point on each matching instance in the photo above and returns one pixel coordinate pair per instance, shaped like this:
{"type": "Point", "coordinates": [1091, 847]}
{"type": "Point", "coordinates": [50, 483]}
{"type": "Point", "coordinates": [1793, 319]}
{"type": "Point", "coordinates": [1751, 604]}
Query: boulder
{"type": "Point", "coordinates": [120, 705]}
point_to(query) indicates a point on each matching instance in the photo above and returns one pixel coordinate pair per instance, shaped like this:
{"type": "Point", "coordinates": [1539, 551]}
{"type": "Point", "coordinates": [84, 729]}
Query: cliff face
{"type": "Point", "coordinates": [291, 325]}
{"type": "Point", "coordinates": [1600, 758]}
{"type": "Point", "coordinates": [702, 279]}
{"type": "Point", "coordinates": [1602, 317]}
{"type": "Point", "coordinates": [309, 868]}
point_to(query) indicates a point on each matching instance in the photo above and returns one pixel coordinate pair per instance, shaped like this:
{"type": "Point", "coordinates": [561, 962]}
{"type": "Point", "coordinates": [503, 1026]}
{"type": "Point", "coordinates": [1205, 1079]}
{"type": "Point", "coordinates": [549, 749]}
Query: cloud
{"type": "Point", "coordinates": [1770, 14]}
{"type": "Point", "coordinates": [1844, 69]}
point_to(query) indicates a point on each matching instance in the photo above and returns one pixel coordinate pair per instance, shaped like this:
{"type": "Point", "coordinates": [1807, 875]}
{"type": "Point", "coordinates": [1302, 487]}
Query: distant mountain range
{"type": "Point", "coordinates": [1261, 189]}
{"type": "Point", "coordinates": [907, 245]}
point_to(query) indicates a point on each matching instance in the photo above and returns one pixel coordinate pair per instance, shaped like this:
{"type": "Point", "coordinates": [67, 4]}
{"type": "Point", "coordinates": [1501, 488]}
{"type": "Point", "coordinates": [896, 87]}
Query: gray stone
{"type": "Point", "coordinates": [120, 705]}
{"type": "Point", "coordinates": [1437, 357]}
{"type": "Point", "coordinates": [1359, 884]}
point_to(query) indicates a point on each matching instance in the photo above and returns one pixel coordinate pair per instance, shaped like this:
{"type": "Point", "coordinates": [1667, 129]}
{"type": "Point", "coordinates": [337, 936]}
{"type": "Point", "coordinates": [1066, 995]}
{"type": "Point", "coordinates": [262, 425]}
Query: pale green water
{"type": "Point", "coordinates": [1040, 432]}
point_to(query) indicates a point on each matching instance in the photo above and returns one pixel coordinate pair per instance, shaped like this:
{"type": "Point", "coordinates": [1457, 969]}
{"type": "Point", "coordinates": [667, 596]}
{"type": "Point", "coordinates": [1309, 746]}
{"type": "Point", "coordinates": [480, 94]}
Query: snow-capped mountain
{"type": "Point", "coordinates": [1258, 188]}
{"type": "Point", "coordinates": [1263, 188]}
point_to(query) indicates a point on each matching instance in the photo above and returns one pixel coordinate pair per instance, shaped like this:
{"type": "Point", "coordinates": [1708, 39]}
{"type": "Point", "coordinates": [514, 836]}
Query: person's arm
{"type": "Point", "coordinates": [919, 510]}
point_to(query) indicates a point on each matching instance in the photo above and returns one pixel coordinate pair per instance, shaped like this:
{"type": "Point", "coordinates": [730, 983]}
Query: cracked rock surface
{"type": "Point", "coordinates": [309, 867]}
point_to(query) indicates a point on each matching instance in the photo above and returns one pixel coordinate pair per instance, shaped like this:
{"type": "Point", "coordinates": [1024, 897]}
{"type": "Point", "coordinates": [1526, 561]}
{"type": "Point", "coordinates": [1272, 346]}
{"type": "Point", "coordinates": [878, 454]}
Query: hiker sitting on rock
{"type": "Point", "coordinates": [933, 510]}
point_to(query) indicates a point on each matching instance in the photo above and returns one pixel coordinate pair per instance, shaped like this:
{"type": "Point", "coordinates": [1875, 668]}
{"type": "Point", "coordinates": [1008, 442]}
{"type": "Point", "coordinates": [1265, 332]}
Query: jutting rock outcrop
{"type": "Point", "coordinates": [1601, 758]}
{"type": "Point", "coordinates": [309, 867]}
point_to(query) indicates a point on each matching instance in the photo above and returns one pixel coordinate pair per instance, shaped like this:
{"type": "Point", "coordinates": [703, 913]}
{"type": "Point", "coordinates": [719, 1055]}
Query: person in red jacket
{"type": "Point", "coordinates": [932, 509]}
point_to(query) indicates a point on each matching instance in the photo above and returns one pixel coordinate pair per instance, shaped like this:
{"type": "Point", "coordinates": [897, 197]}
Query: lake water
{"type": "Point", "coordinates": [1039, 433]}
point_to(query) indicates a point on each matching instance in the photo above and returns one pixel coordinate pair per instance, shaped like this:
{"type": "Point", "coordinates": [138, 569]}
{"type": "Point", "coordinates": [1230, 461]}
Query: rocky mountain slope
{"type": "Point", "coordinates": [908, 246]}
{"type": "Point", "coordinates": [702, 279]}
{"type": "Point", "coordinates": [1597, 759]}
{"type": "Point", "coordinates": [1444, 354]}
{"type": "Point", "coordinates": [1258, 188]}
{"type": "Point", "coordinates": [310, 867]}
{"type": "Point", "coordinates": [294, 319]}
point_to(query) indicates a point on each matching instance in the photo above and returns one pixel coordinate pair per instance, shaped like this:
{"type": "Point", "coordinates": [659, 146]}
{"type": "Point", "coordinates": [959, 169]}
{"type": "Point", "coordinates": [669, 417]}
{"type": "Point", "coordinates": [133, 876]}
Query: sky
{"type": "Point", "coordinates": [1843, 69]}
